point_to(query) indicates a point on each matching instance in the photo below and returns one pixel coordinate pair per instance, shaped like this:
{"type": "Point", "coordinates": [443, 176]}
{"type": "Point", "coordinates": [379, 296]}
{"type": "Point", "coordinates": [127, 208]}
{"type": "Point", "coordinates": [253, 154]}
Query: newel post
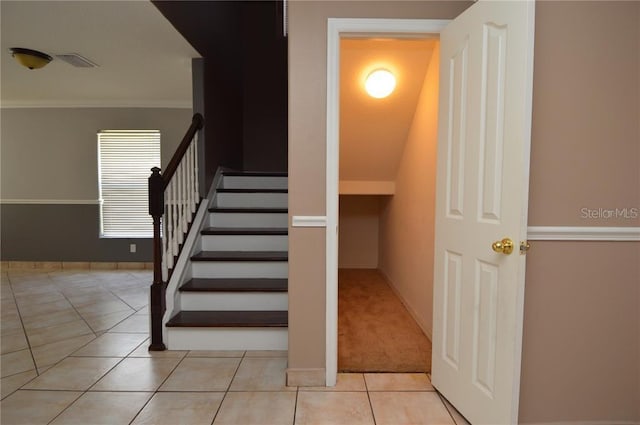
{"type": "Point", "coordinates": [156, 210]}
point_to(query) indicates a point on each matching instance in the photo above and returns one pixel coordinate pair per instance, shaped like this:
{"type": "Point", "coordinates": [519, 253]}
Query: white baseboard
{"type": "Point", "coordinates": [75, 265]}
{"type": "Point", "coordinates": [411, 311]}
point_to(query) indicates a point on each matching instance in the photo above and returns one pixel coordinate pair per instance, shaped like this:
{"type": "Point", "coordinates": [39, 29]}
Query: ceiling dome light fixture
{"type": "Point", "coordinates": [31, 59]}
{"type": "Point", "coordinates": [380, 83]}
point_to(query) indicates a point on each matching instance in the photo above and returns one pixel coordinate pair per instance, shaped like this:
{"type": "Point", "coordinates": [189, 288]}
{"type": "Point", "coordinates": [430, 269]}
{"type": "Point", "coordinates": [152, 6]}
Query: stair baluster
{"type": "Point", "coordinates": [174, 195]}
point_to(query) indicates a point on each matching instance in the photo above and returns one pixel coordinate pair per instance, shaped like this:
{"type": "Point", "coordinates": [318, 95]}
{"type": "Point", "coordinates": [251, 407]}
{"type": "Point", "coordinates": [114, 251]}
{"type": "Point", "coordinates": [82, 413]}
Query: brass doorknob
{"type": "Point", "coordinates": [504, 246]}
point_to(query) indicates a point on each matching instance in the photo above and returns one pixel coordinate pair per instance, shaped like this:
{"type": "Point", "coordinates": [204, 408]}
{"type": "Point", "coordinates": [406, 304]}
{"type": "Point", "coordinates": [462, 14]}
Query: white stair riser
{"type": "Point", "coordinates": [230, 301]}
{"type": "Point", "coordinates": [249, 200]}
{"type": "Point", "coordinates": [245, 242]}
{"type": "Point", "coordinates": [248, 220]}
{"type": "Point", "coordinates": [231, 269]}
{"type": "Point", "coordinates": [254, 182]}
{"type": "Point", "coordinates": [227, 338]}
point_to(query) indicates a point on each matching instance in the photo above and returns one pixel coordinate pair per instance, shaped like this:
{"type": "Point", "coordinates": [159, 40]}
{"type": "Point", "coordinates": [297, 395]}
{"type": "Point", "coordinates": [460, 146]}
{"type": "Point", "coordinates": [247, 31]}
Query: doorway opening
{"type": "Point", "coordinates": [387, 152]}
{"type": "Point", "coordinates": [482, 196]}
{"type": "Point", "coordinates": [337, 184]}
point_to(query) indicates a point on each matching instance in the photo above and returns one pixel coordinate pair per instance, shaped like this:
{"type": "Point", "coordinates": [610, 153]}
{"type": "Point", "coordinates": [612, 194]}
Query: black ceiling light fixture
{"type": "Point", "coordinates": [29, 58]}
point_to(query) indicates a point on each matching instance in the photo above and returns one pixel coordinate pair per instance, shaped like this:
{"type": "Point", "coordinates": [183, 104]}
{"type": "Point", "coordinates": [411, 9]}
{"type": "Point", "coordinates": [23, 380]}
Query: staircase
{"type": "Point", "coordinates": [232, 292]}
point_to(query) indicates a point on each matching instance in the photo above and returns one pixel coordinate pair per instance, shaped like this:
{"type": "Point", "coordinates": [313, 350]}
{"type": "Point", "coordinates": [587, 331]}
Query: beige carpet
{"type": "Point", "coordinates": [375, 331]}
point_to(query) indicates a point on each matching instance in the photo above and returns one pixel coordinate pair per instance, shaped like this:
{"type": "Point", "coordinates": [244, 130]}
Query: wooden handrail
{"type": "Point", "coordinates": [197, 122]}
{"type": "Point", "coordinates": [158, 183]}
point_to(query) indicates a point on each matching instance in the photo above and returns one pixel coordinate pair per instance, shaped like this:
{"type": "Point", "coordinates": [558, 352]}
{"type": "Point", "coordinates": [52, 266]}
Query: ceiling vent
{"type": "Point", "coordinates": [77, 60]}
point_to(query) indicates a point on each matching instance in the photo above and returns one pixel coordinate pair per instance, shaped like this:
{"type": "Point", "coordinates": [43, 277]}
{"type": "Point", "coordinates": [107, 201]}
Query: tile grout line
{"type": "Point", "coordinates": [373, 415]}
{"type": "Point", "coordinates": [65, 357]}
{"type": "Point", "coordinates": [107, 330]}
{"type": "Point", "coordinates": [215, 415]}
{"type": "Point", "coordinates": [114, 294]}
{"type": "Point", "coordinates": [118, 297]}
{"type": "Point", "coordinates": [74, 309]}
{"type": "Point", "coordinates": [65, 409]}
{"type": "Point", "coordinates": [111, 293]}
{"type": "Point", "coordinates": [24, 331]}
{"type": "Point", "coordinates": [224, 397]}
{"type": "Point", "coordinates": [235, 373]}
{"type": "Point", "coordinates": [157, 390]}
{"type": "Point", "coordinates": [58, 290]}
{"type": "Point", "coordinates": [153, 394]}
{"type": "Point", "coordinates": [441, 397]}
{"type": "Point", "coordinates": [87, 390]}
{"type": "Point", "coordinates": [295, 406]}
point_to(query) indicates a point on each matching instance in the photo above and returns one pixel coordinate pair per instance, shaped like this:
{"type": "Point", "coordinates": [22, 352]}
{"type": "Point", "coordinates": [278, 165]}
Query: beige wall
{"type": "Point", "coordinates": [407, 221]}
{"type": "Point", "coordinates": [582, 319]}
{"type": "Point", "coordinates": [358, 231]}
{"type": "Point", "coordinates": [581, 356]}
{"type": "Point", "coordinates": [585, 153]}
{"type": "Point", "coordinates": [586, 112]}
{"type": "Point", "coordinates": [307, 142]}
{"type": "Point", "coordinates": [51, 153]}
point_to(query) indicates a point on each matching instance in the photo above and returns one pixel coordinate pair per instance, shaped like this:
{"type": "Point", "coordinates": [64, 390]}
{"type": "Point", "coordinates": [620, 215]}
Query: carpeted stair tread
{"type": "Point", "coordinates": [270, 231]}
{"type": "Point", "coordinates": [241, 256]}
{"type": "Point", "coordinates": [230, 319]}
{"type": "Point", "coordinates": [235, 285]}
{"type": "Point", "coordinates": [248, 210]}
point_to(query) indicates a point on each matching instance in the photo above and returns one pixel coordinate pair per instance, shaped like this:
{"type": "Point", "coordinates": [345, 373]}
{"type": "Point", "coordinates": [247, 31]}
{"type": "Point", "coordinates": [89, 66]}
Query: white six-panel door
{"type": "Point", "coordinates": [481, 197]}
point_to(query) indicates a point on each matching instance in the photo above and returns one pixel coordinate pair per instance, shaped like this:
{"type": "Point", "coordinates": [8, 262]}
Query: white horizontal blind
{"type": "Point", "coordinates": [125, 159]}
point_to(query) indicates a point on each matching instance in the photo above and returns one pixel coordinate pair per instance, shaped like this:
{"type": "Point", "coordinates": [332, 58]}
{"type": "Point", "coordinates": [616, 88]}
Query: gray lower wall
{"type": "Point", "coordinates": [62, 233]}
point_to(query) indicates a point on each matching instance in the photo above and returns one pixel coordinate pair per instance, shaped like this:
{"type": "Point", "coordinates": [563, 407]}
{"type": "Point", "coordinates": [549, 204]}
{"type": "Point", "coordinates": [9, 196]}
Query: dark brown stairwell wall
{"type": "Point", "coordinates": [265, 88]}
{"type": "Point", "coordinates": [245, 80]}
{"type": "Point", "coordinates": [213, 28]}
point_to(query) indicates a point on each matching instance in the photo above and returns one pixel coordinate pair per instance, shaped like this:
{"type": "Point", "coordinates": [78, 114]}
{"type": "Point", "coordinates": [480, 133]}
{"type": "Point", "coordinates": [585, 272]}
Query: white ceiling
{"type": "Point", "coordinates": [373, 132]}
{"type": "Point", "coordinates": [143, 60]}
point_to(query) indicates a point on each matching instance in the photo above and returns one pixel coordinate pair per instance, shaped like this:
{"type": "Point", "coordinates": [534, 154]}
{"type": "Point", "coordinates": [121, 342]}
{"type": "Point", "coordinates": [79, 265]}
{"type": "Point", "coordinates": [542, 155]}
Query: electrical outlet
{"type": "Point", "coordinates": [132, 248]}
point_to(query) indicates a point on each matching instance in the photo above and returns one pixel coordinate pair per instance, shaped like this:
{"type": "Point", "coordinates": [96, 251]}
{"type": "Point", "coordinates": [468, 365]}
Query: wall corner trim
{"type": "Point", "coordinates": [309, 221]}
{"type": "Point", "coordinates": [577, 233]}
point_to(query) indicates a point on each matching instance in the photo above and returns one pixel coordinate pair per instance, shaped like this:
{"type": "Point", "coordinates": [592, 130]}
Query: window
{"type": "Point", "coordinates": [125, 159]}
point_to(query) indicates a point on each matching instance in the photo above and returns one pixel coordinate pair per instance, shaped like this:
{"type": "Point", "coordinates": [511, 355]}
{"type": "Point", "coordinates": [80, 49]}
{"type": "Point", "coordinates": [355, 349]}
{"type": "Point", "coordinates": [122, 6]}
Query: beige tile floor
{"type": "Point", "coordinates": [74, 351]}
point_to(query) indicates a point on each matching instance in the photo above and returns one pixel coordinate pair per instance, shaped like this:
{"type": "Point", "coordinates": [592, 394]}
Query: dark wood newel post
{"type": "Point", "coordinates": [156, 210]}
{"type": "Point", "coordinates": [157, 184]}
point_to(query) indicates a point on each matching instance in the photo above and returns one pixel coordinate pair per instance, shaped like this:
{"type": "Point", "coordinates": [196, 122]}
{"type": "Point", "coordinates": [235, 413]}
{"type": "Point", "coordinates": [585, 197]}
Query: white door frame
{"type": "Point", "coordinates": [336, 28]}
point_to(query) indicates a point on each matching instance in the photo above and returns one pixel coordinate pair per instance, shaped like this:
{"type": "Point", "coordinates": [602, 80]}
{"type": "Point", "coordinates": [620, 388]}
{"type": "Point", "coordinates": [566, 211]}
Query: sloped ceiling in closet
{"type": "Point", "coordinates": [373, 131]}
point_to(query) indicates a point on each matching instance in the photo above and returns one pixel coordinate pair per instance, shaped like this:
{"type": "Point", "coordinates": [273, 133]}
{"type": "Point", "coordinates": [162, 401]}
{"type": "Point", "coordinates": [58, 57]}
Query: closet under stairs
{"type": "Point", "coordinates": [232, 291]}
